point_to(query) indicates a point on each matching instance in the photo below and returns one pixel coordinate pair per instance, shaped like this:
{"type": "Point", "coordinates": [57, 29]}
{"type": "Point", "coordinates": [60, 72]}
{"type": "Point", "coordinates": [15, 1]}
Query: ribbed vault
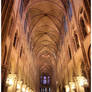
{"type": "Point", "coordinates": [45, 21]}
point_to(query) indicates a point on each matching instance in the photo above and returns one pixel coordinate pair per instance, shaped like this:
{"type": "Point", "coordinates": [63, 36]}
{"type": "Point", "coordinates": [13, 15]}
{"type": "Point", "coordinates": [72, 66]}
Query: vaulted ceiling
{"type": "Point", "coordinates": [45, 19]}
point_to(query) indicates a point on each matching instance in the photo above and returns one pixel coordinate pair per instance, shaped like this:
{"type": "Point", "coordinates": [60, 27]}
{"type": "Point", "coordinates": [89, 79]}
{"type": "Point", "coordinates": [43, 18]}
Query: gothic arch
{"type": "Point", "coordinates": [89, 54]}
{"type": "Point", "coordinates": [83, 27]}
{"type": "Point", "coordinates": [76, 39]}
{"type": "Point", "coordinates": [5, 55]}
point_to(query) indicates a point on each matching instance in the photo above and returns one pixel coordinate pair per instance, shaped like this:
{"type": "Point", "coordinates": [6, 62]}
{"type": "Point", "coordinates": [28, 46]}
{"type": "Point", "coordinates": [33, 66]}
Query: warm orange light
{"type": "Point", "coordinates": [11, 79]}
{"type": "Point", "coordinates": [82, 81]}
{"type": "Point", "coordinates": [19, 84]}
{"type": "Point", "coordinates": [11, 82]}
{"type": "Point", "coordinates": [72, 85]}
{"type": "Point", "coordinates": [27, 89]}
{"type": "Point", "coordinates": [67, 88]}
{"type": "Point", "coordinates": [24, 88]}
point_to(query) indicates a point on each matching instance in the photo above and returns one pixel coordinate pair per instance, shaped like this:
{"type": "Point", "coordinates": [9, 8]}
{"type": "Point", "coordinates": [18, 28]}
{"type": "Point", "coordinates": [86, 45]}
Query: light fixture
{"type": "Point", "coordinates": [11, 79]}
{"type": "Point", "coordinates": [19, 84]}
{"type": "Point", "coordinates": [67, 88]}
{"type": "Point", "coordinates": [24, 88]}
{"type": "Point", "coordinates": [82, 81]}
{"type": "Point", "coordinates": [72, 85]}
{"type": "Point", "coordinates": [27, 89]}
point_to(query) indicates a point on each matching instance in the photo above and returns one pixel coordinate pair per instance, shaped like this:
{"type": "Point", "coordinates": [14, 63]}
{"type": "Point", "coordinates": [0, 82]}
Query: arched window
{"type": "Point", "coordinates": [83, 27]}
{"type": "Point", "coordinates": [69, 9]}
{"type": "Point", "coordinates": [5, 53]}
{"type": "Point", "coordinates": [76, 40]}
{"type": "Point", "coordinates": [74, 43]}
{"type": "Point", "coordinates": [21, 8]}
{"type": "Point", "coordinates": [65, 25]}
{"type": "Point", "coordinates": [70, 56]}
{"type": "Point", "coordinates": [41, 80]}
{"type": "Point", "coordinates": [10, 26]}
{"type": "Point", "coordinates": [48, 80]}
{"type": "Point", "coordinates": [85, 16]}
{"type": "Point", "coordinates": [44, 80]}
{"type": "Point", "coordinates": [25, 26]}
{"type": "Point", "coordinates": [15, 39]}
{"type": "Point", "coordinates": [21, 51]}
{"type": "Point", "coordinates": [28, 37]}
{"type": "Point", "coordinates": [89, 54]}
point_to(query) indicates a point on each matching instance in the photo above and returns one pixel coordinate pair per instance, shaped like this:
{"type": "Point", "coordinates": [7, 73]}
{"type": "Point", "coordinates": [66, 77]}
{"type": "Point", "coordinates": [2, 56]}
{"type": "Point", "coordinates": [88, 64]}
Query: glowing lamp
{"type": "Point", "coordinates": [27, 89]}
{"type": "Point", "coordinates": [67, 88]}
{"type": "Point", "coordinates": [19, 84]}
{"type": "Point", "coordinates": [24, 88]}
{"type": "Point", "coordinates": [72, 85]}
{"type": "Point", "coordinates": [82, 81]}
{"type": "Point", "coordinates": [11, 79]}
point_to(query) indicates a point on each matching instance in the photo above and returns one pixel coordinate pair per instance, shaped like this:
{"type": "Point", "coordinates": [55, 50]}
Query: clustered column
{"type": "Point", "coordinates": [14, 85]}
{"type": "Point", "coordinates": [77, 85]}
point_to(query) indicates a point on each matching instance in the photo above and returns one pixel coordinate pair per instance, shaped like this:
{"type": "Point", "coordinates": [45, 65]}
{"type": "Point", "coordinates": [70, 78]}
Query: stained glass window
{"type": "Point", "coordinates": [44, 80]}
{"type": "Point", "coordinates": [48, 80]}
{"type": "Point", "coordinates": [44, 77]}
{"type": "Point", "coordinates": [21, 8]}
{"type": "Point", "coordinates": [69, 52]}
{"type": "Point", "coordinates": [41, 79]}
{"type": "Point", "coordinates": [25, 26]}
{"type": "Point", "coordinates": [65, 25]}
{"type": "Point", "coordinates": [69, 9]}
